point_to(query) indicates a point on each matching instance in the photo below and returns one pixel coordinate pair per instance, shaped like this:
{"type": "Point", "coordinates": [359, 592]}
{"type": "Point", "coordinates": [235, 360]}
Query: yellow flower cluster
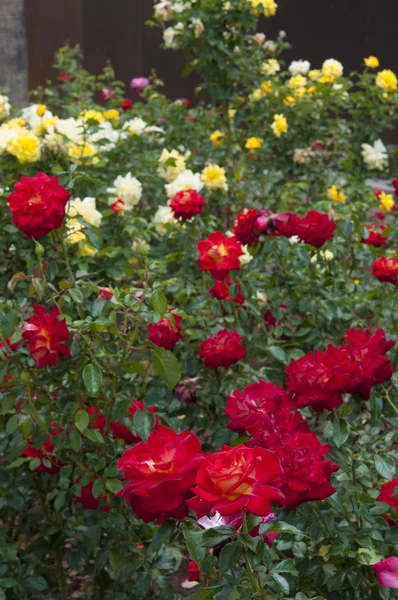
{"type": "Point", "coordinates": [387, 80]}
{"type": "Point", "coordinates": [83, 153]}
{"type": "Point", "coordinates": [336, 195]}
{"type": "Point", "coordinates": [25, 146]}
{"type": "Point", "coordinates": [111, 114]}
{"type": "Point", "coordinates": [270, 67]}
{"type": "Point", "coordinates": [269, 6]}
{"type": "Point", "coordinates": [92, 115]}
{"type": "Point", "coordinates": [331, 69]}
{"type": "Point", "coordinates": [279, 126]}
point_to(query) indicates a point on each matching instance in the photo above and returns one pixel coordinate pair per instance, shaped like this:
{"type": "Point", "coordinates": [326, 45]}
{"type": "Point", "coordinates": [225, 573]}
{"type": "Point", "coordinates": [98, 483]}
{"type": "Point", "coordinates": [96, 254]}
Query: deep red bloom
{"type": "Point", "coordinates": [387, 495]}
{"type": "Point", "coordinates": [126, 104]}
{"type": "Point", "coordinates": [258, 399]}
{"type": "Point", "coordinates": [222, 350]}
{"type": "Point", "coordinates": [194, 571]}
{"type": "Point", "coordinates": [64, 77]}
{"type": "Point", "coordinates": [221, 289]}
{"type": "Point", "coordinates": [97, 418]}
{"type": "Point", "coordinates": [87, 500]}
{"type": "Point", "coordinates": [305, 471]}
{"type": "Point", "coordinates": [105, 293]}
{"type": "Point", "coordinates": [46, 335]}
{"type": "Point", "coordinates": [164, 333]}
{"type": "Point", "coordinates": [315, 228]}
{"type": "Point", "coordinates": [245, 228]}
{"type": "Point", "coordinates": [395, 184]}
{"type": "Point", "coordinates": [186, 102]}
{"type": "Point", "coordinates": [317, 146]}
{"type": "Point", "coordinates": [219, 254]}
{"type": "Point", "coordinates": [46, 452]}
{"type": "Point", "coordinates": [186, 204]}
{"type": "Point", "coordinates": [118, 207]}
{"type": "Point", "coordinates": [237, 479]}
{"type": "Point", "coordinates": [269, 431]}
{"type": "Point", "coordinates": [375, 237]}
{"type": "Point", "coordinates": [38, 205]}
{"type": "Point", "coordinates": [161, 473]}
{"type": "Point", "coordinates": [386, 269]}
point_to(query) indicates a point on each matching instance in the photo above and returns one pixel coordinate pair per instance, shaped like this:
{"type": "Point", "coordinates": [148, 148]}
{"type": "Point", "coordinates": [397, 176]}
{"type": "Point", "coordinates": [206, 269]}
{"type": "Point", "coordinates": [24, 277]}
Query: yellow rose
{"type": "Point", "coordinates": [25, 146]}
{"type": "Point", "coordinates": [279, 126]}
{"type": "Point", "coordinates": [387, 80]}
{"type": "Point", "coordinates": [253, 143]}
{"type": "Point", "coordinates": [372, 62]}
{"type": "Point", "coordinates": [336, 195]}
{"type": "Point", "coordinates": [214, 178]}
{"type": "Point", "coordinates": [217, 138]}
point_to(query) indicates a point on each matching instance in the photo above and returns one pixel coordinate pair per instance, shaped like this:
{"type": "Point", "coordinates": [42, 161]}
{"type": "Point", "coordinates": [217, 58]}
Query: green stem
{"type": "Point", "coordinates": [390, 402]}
{"type": "Point", "coordinates": [249, 569]}
{"type": "Point", "coordinates": [65, 251]}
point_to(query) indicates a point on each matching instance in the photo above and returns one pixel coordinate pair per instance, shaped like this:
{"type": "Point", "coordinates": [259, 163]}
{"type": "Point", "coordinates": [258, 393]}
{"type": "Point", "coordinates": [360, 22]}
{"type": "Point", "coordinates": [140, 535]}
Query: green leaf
{"type": "Point", "coordinates": [92, 377]}
{"type": "Point", "coordinates": [285, 566]}
{"type": "Point", "coordinates": [281, 527]}
{"type": "Point", "coordinates": [341, 431]}
{"type": "Point", "coordinates": [82, 419]}
{"type": "Point", "coordinates": [216, 535]}
{"type": "Point", "coordinates": [278, 353]}
{"type": "Point", "coordinates": [162, 533]}
{"type": "Point", "coordinates": [94, 435]}
{"type": "Point", "coordinates": [143, 423]}
{"type": "Point", "coordinates": [385, 466]}
{"type": "Point", "coordinates": [193, 534]}
{"type": "Point", "coordinates": [59, 501]}
{"type": "Point", "coordinates": [98, 486]}
{"type": "Point", "coordinates": [9, 320]}
{"type": "Point", "coordinates": [230, 555]}
{"type": "Point", "coordinates": [159, 302]}
{"type": "Point", "coordinates": [116, 560]}
{"type": "Point", "coordinates": [75, 440]}
{"type": "Point", "coordinates": [281, 582]}
{"type": "Point", "coordinates": [113, 485]}
{"type": "Point", "coordinates": [76, 295]}
{"type": "Point", "coordinates": [376, 405]}
{"type": "Point", "coordinates": [206, 593]}
{"type": "Point", "coordinates": [166, 366]}
{"type": "Point", "coordinates": [37, 583]}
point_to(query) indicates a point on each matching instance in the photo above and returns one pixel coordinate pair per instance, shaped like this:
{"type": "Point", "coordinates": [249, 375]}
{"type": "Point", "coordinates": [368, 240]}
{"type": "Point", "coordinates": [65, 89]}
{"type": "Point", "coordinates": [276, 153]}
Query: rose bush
{"type": "Point", "coordinates": [198, 389]}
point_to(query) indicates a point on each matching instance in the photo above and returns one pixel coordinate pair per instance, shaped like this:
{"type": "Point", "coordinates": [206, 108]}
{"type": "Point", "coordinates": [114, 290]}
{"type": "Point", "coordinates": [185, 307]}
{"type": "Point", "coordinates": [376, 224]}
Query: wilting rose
{"type": "Point", "coordinates": [221, 291]}
{"type": "Point", "coordinates": [46, 335]}
{"type": "Point", "coordinates": [387, 572]}
{"type": "Point", "coordinates": [46, 452]}
{"type": "Point", "coordinates": [164, 333]}
{"type": "Point", "coordinates": [186, 204]}
{"type": "Point", "coordinates": [219, 254]}
{"type": "Point", "coordinates": [375, 237]}
{"type": "Point", "coordinates": [245, 228]}
{"type": "Point", "coordinates": [389, 495]}
{"type": "Point", "coordinates": [258, 399]}
{"type": "Point", "coordinates": [187, 389]}
{"type": "Point", "coordinates": [237, 479]}
{"type": "Point", "coordinates": [38, 205]}
{"type": "Point", "coordinates": [222, 350]}
{"type": "Point", "coordinates": [386, 269]}
{"type": "Point", "coordinates": [305, 471]}
{"type": "Point", "coordinates": [160, 474]}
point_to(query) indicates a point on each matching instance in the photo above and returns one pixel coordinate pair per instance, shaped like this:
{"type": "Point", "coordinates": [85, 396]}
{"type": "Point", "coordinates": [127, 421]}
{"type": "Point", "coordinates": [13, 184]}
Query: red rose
{"type": "Point", "coordinates": [375, 237]}
{"type": "Point", "coordinates": [221, 289]}
{"type": "Point", "coordinates": [117, 207]}
{"type": "Point", "coordinates": [219, 254]}
{"type": "Point", "coordinates": [395, 184]}
{"type": "Point", "coordinates": [245, 228]}
{"type": "Point", "coordinates": [315, 228]}
{"type": "Point", "coordinates": [45, 453]}
{"type": "Point", "coordinates": [126, 104]}
{"type": "Point", "coordinates": [317, 145]}
{"type": "Point", "coordinates": [318, 379]}
{"type": "Point", "coordinates": [97, 418]}
{"type": "Point", "coordinates": [258, 399]}
{"type": "Point", "coordinates": [387, 495]}
{"type": "Point", "coordinates": [305, 472]}
{"type": "Point", "coordinates": [123, 432]}
{"type": "Point", "coordinates": [38, 205]}
{"type": "Point", "coordinates": [46, 336]}
{"type": "Point", "coordinates": [186, 204]}
{"type": "Point", "coordinates": [222, 350]}
{"type": "Point", "coordinates": [237, 479]}
{"type": "Point", "coordinates": [268, 431]}
{"type": "Point", "coordinates": [386, 269]}
{"type": "Point", "coordinates": [105, 293]}
{"type": "Point", "coordinates": [161, 473]}
{"type": "Point", "coordinates": [63, 77]}
{"type": "Point", "coordinates": [87, 500]}
{"type": "Point", "coordinates": [186, 102]}
{"type": "Point", "coordinates": [107, 94]}
{"type": "Point", "coordinates": [164, 333]}
{"type": "Point", "coordinates": [194, 571]}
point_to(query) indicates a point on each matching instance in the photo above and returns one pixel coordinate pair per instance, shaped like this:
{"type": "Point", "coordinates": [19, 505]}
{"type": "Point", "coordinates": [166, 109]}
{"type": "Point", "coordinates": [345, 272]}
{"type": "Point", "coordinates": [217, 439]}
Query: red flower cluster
{"type": "Point", "coordinates": [315, 228]}
{"type": "Point", "coordinates": [245, 229]}
{"type": "Point", "coordinates": [388, 495]}
{"type": "Point", "coordinates": [38, 205]}
{"type": "Point", "coordinates": [46, 335]}
{"type": "Point", "coordinates": [119, 430]}
{"type": "Point", "coordinates": [237, 479]}
{"type": "Point", "coordinates": [258, 399]}
{"type": "Point", "coordinates": [161, 473]}
{"type": "Point", "coordinates": [386, 269]}
{"type": "Point", "coordinates": [221, 291]}
{"type": "Point", "coordinates": [219, 254]}
{"type": "Point", "coordinates": [222, 350]}
{"type": "Point", "coordinates": [164, 333]}
{"type": "Point", "coordinates": [375, 237]}
{"type": "Point", "coordinates": [187, 204]}
{"type": "Point", "coordinates": [45, 453]}
{"type": "Point", "coordinates": [319, 379]}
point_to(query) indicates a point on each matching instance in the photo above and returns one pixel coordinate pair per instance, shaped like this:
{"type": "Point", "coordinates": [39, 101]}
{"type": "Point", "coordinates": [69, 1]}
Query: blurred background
{"type": "Point", "coordinates": [32, 30]}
